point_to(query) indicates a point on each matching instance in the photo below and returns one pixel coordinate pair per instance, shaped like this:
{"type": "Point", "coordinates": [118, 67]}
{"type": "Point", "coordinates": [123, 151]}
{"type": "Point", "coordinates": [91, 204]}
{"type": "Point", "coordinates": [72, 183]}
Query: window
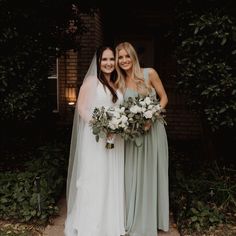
{"type": "Point", "coordinates": [53, 85]}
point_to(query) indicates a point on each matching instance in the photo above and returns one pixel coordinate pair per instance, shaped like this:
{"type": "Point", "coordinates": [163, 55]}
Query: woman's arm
{"type": "Point", "coordinates": [156, 83]}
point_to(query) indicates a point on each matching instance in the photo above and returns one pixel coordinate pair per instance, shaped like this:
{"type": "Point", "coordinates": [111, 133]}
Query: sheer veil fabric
{"type": "Point", "coordinates": [82, 115]}
{"type": "Point", "coordinates": [95, 181]}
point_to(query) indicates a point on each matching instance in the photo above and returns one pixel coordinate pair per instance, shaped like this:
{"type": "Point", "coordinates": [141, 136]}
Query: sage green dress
{"type": "Point", "coordinates": [146, 180]}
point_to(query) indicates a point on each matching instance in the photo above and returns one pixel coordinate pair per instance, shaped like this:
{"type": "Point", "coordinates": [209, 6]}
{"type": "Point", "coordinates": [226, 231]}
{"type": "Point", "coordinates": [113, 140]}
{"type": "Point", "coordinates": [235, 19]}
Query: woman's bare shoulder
{"type": "Point", "coordinates": [151, 71]}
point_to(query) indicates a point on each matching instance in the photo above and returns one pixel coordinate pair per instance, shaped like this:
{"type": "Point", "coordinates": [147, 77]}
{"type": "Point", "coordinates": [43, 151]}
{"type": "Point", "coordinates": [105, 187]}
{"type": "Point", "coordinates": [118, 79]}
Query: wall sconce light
{"type": "Point", "coordinates": [71, 94]}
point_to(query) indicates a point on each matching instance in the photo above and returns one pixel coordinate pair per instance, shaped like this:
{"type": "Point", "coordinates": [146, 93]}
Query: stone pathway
{"type": "Point", "coordinates": [57, 226]}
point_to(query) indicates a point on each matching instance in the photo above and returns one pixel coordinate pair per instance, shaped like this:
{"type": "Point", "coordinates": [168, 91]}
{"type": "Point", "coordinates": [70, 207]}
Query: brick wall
{"type": "Point", "coordinates": [182, 123]}
{"type": "Point", "coordinates": [73, 65]}
{"type": "Point", "coordinates": [89, 43]}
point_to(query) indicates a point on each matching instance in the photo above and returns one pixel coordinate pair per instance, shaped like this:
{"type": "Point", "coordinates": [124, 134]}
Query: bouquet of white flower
{"type": "Point", "coordinates": [129, 120]}
{"type": "Point", "coordinates": [106, 122]}
{"type": "Point", "coordinates": [140, 111]}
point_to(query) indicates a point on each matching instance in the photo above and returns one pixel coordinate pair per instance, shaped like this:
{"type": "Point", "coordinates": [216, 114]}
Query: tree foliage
{"type": "Point", "coordinates": [31, 33]}
{"type": "Point", "coordinates": [206, 54]}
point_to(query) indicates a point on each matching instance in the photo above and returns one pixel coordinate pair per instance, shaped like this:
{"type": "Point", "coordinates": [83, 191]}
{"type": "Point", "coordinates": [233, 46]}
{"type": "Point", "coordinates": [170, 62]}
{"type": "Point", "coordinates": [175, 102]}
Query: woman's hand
{"type": "Point", "coordinates": [110, 136]}
{"type": "Point", "coordinates": [110, 141]}
{"type": "Point", "coordinates": [147, 125]}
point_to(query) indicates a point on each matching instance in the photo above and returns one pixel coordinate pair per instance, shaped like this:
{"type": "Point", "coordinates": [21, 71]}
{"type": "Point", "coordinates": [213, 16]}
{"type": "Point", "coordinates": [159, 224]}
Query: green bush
{"type": "Point", "coordinates": [31, 194]}
{"type": "Point", "coordinates": [32, 33]}
{"type": "Point", "coordinates": [202, 195]}
{"type": "Point", "coordinates": [206, 56]}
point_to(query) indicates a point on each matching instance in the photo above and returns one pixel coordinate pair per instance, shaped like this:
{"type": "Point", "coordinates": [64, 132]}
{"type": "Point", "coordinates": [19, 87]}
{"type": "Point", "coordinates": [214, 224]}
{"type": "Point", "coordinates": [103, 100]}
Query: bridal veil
{"type": "Point", "coordinates": [82, 115]}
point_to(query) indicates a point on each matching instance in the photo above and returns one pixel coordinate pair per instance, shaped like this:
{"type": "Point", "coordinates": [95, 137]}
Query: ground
{"type": "Point", "coordinates": [57, 226]}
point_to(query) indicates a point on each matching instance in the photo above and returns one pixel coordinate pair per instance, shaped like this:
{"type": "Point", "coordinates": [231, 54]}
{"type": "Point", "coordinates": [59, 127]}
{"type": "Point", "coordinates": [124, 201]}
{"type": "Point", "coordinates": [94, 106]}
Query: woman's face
{"type": "Point", "coordinates": [107, 64]}
{"type": "Point", "coordinates": [124, 60]}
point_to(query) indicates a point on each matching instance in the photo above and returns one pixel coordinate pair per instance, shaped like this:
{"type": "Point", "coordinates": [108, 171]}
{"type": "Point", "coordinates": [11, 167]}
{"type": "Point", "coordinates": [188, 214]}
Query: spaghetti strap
{"type": "Point", "coordinates": [145, 74]}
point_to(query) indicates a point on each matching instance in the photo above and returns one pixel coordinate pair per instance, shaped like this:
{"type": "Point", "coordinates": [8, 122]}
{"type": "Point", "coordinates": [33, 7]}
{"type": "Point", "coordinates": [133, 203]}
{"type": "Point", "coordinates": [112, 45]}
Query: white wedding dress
{"type": "Point", "coordinates": [98, 206]}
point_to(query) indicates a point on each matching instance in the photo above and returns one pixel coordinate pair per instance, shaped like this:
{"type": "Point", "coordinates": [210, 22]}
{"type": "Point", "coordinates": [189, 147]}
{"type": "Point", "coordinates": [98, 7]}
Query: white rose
{"type": "Point", "coordinates": [148, 114]}
{"type": "Point", "coordinates": [147, 100]}
{"type": "Point", "coordinates": [113, 124]}
{"type": "Point", "coordinates": [135, 109]}
{"type": "Point", "coordinates": [122, 109]}
{"type": "Point", "coordinates": [124, 119]}
{"type": "Point", "coordinates": [116, 114]}
{"type": "Point", "coordinates": [142, 103]}
{"type": "Point", "coordinates": [143, 109]}
{"type": "Point", "coordinates": [117, 109]}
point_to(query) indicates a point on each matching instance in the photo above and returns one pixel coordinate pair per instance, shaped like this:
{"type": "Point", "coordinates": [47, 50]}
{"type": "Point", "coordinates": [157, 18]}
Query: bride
{"type": "Point", "coordinates": [95, 182]}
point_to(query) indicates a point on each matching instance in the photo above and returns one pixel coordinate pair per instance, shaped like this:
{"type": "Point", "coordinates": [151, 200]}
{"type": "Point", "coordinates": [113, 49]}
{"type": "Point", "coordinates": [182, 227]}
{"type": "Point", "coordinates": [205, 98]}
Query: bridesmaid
{"type": "Point", "coordinates": [146, 166]}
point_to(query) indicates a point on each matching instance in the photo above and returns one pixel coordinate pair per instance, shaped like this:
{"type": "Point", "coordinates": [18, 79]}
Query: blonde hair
{"type": "Point", "coordinates": [137, 74]}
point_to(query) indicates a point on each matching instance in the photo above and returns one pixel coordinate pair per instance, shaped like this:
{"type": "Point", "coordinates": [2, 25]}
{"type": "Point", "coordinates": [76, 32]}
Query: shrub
{"type": "Point", "coordinates": [206, 56]}
{"type": "Point", "coordinates": [203, 195]}
{"type": "Point", "coordinates": [32, 193]}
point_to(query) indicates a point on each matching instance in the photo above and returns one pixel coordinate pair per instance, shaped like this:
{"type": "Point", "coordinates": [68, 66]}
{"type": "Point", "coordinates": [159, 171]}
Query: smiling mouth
{"type": "Point", "coordinates": [125, 65]}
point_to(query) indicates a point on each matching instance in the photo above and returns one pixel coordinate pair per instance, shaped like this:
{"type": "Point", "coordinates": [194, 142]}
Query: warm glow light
{"type": "Point", "coordinates": [71, 94]}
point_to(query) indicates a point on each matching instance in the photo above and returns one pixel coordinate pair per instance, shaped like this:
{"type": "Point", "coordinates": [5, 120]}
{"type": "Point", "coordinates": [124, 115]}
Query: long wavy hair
{"type": "Point", "coordinates": [136, 74]}
{"type": "Point", "coordinates": [100, 74]}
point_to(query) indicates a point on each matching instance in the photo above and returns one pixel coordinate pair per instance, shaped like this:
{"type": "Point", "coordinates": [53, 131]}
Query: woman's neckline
{"type": "Point", "coordinates": [129, 88]}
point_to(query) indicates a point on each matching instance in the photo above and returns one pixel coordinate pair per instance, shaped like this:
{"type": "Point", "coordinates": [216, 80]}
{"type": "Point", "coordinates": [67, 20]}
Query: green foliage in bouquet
{"type": "Point", "coordinates": [129, 119]}
{"type": "Point", "coordinates": [140, 110]}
